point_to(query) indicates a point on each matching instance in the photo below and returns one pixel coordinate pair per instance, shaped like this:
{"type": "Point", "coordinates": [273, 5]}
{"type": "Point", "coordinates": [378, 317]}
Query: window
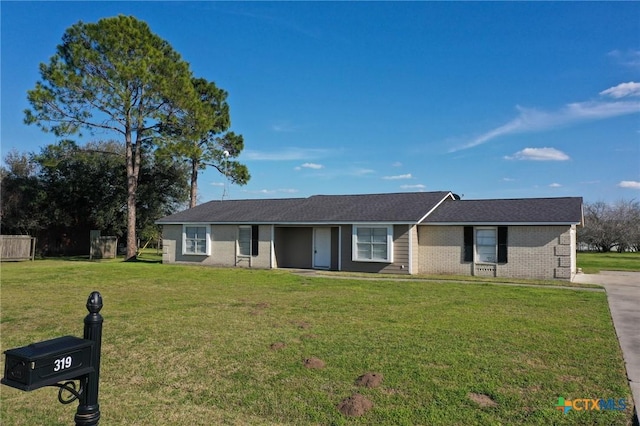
{"type": "Point", "coordinates": [490, 244]}
{"type": "Point", "coordinates": [244, 241]}
{"type": "Point", "coordinates": [195, 240]}
{"type": "Point", "coordinates": [372, 244]}
{"type": "Point", "coordinates": [486, 245]}
{"type": "Point", "coordinates": [248, 240]}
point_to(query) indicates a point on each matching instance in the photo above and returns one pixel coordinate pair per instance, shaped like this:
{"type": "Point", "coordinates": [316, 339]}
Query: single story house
{"type": "Point", "coordinates": [400, 233]}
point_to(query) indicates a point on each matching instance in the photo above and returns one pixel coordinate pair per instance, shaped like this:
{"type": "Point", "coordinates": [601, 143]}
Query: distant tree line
{"type": "Point", "coordinates": [610, 227]}
{"type": "Point", "coordinates": [61, 193]}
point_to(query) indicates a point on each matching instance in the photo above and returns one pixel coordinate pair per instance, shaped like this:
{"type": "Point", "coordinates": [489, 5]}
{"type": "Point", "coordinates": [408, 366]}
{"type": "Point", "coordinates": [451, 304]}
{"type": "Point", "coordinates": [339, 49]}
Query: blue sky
{"type": "Point", "coordinates": [488, 100]}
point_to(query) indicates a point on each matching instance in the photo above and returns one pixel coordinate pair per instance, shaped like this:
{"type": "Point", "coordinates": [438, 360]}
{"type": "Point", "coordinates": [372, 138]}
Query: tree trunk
{"type": "Point", "coordinates": [133, 165]}
{"type": "Point", "coordinates": [194, 183]}
{"type": "Point", "coordinates": [132, 248]}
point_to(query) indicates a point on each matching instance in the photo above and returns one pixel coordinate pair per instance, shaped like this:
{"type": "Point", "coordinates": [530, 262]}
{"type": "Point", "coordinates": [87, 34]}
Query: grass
{"type": "Point", "coordinates": [592, 263]}
{"type": "Point", "coordinates": [187, 345]}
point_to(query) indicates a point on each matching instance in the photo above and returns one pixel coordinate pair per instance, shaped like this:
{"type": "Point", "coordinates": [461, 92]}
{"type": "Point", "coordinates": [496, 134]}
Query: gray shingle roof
{"type": "Point", "coordinates": [388, 208]}
{"type": "Point", "coordinates": [396, 207]}
{"type": "Point", "coordinates": [525, 210]}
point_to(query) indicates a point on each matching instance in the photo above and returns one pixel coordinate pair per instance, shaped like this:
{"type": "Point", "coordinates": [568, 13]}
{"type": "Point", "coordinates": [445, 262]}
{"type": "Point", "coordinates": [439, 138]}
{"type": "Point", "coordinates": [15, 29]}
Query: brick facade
{"type": "Point", "coordinates": [543, 252]}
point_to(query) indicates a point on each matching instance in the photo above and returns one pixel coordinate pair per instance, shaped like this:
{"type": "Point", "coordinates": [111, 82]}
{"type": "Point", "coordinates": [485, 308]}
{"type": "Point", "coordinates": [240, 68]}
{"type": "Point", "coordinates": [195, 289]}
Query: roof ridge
{"type": "Point", "coordinates": [379, 193]}
{"type": "Point", "coordinates": [521, 198]}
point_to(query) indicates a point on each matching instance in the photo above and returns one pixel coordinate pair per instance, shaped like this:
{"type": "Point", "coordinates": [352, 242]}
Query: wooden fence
{"type": "Point", "coordinates": [17, 247]}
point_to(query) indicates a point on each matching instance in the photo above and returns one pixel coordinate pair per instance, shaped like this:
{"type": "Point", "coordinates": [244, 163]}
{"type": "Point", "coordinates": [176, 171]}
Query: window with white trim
{"type": "Point", "coordinates": [486, 245]}
{"type": "Point", "coordinates": [372, 244]}
{"type": "Point", "coordinates": [195, 239]}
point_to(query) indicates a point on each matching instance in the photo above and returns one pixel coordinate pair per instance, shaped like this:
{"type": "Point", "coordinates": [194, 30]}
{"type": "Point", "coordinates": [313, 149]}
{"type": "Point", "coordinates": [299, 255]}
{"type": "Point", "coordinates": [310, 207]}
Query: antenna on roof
{"type": "Point", "coordinates": [225, 189]}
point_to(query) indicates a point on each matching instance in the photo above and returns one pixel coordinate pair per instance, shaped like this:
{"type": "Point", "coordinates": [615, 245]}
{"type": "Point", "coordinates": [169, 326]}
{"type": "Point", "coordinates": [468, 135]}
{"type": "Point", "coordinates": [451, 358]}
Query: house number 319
{"type": "Point", "coordinates": [62, 363]}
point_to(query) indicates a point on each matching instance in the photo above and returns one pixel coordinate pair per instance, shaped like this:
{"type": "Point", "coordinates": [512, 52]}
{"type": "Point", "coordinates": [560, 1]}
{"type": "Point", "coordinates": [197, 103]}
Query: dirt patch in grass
{"type": "Point", "coordinates": [259, 308]}
{"type": "Point", "coordinates": [369, 380]}
{"type": "Point", "coordinates": [482, 399]}
{"type": "Point", "coordinates": [309, 336]}
{"type": "Point", "coordinates": [277, 346]}
{"type": "Point", "coordinates": [355, 405]}
{"type": "Point", "coordinates": [302, 324]}
{"type": "Point", "coordinates": [565, 378]}
{"type": "Point", "coordinates": [315, 363]}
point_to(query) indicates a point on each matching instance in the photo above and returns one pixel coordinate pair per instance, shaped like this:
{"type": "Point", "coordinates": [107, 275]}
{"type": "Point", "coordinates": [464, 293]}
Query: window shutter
{"type": "Point", "coordinates": [502, 244]}
{"type": "Point", "coordinates": [254, 240]}
{"type": "Point", "coordinates": [468, 244]}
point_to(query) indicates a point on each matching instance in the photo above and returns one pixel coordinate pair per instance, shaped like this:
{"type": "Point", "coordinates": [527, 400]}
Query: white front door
{"type": "Point", "coordinates": [322, 248]}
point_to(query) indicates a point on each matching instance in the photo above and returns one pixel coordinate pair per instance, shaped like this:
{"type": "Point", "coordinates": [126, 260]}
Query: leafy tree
{"type": "Point", "coordinates": [201, 137]}
{"type": "Point", "coordinates": [117, 76]}
{"type": "Point", "coordinates": [22, 196]}
{"type": "Point", "coordinates": [84, 187]}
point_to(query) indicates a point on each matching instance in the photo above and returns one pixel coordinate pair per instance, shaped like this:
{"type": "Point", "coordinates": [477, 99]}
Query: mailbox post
{"type": "Point", "coordinates": [88, 413]}
{"type": "Point", "coordinates": [63, 359]}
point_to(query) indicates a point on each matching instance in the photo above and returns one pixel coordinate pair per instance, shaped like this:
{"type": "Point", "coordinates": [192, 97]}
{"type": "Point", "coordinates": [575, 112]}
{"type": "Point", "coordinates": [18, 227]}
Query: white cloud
{"type": "Point", "coordinates": [539, 154]}
{"type": "Point", "coordinates": [397, 164]}
{"type": "Point", "coordinates": [508, 180]}
{"type": "Point", "coordinates": [397, 177]}
{"type": "Point", "coordinates": [417, 186]}
{"type": "Point", "coordinates": [361, 172]}
{"type": "Point", "coordinates": [270, 191]}
{"type": "Point", "coordinates": [632, 184]}
{"type": "Point", "coordinates": [622, 90]}
{"type": "Point", "coordinates": [555, 185]}
{"type": "Point", "coordinates": [630, 58]}
{"type": "Point", "coordinates": [287, 154]}
{"type": "Point", "coordinates": [284, 127]}
{"type": "Point", "coordinates": [217, 183]}
{"type": "Point", "coordinates": [312, 166]}
{"type": "Point", "coordinates": [531, 120]}
{"type": "Point", "coordinates": [259, 191]}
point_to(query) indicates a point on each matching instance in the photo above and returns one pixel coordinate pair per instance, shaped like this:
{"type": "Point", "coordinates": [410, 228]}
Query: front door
{"type": "Point", "coordinates": [322, 248]}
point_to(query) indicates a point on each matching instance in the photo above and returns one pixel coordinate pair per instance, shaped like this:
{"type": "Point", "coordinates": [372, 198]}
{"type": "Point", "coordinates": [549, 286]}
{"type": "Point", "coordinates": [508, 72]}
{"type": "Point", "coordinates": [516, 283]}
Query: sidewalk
{"type": "Point", "coordinates": [623, 294]}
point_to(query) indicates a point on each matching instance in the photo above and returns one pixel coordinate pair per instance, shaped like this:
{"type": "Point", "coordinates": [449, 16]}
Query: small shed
{"type": "Point", "coordinates": [102, 247]}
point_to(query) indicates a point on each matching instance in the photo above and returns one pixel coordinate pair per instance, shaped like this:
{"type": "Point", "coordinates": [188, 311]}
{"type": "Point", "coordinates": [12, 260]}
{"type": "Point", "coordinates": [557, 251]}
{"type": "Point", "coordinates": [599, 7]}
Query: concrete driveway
{"type": "Point", "coordinates": [623, 294]}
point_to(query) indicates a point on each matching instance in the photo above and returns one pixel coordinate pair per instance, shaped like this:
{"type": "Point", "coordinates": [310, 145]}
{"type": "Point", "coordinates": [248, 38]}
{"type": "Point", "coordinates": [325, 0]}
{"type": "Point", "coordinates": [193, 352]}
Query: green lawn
{"type": "Point", "coordinates": [592, 263]}
{"type": "Point", "coordinates": [192, 346]}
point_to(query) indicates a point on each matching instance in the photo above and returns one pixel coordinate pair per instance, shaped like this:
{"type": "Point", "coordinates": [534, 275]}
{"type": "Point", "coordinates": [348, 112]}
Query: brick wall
{"type": "Point", "coordinates": [440, 251]}
{"type": "Point", "coordinates": [543, 252]}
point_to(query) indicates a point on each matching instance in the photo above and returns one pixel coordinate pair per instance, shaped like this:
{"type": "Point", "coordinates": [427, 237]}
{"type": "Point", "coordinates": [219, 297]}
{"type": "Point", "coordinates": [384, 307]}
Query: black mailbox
{"type": "Point", "coordinates": [48, 362]}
